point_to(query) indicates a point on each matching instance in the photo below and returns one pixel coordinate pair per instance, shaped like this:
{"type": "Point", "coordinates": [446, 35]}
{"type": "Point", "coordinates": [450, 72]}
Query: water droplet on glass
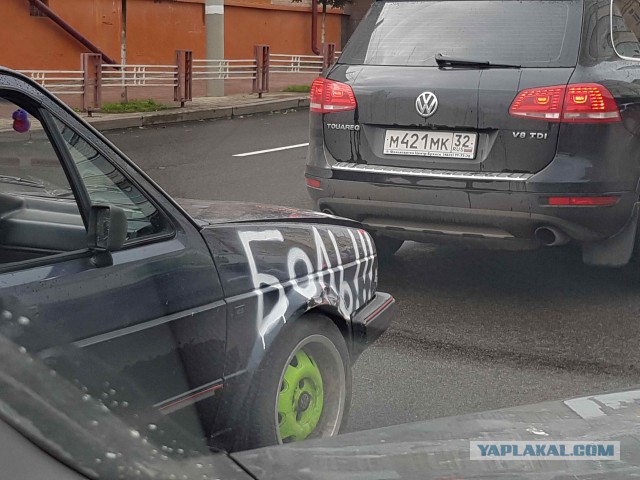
{"type": "Point", "coordinates": [104, 408]}
{"type": "Point", "coordinates": [112, 391]}
{"type": "Point", "coordinates": [24, 321]}
{"type": "Point", "coordinates": [199, 465]}
{"type": "Point", "coordinates": [172, 477]}
{"type": "Point", "coordinates": [94, 423]}
{"type": "Point", "coordinates": [153, 426]}
{"type": "Point", "coordinates": [98, 460]}
{"type": "Point", "coordinates": [180, 451]}
{"type": "Point", "coordinates": [134, 433]}
{"type": "Point", "coordinates": [110, 455]}
{"type": "Point", "coordinates": [113, 404]}
{"type": "Point", "coordinates": [164, 457]}
{"type": "Point", "coordinates": [53, 373]}
{"type": "Point", "coordinates": [125, 404]}
{"type": "Point", "coordinates": [86, 397]}
{"type": "Point", "coordinates": [7, 315]}
{"type": "Point", "coordinates": [22, 350]}
{"type": "Point", "coordinates": [154, 451]}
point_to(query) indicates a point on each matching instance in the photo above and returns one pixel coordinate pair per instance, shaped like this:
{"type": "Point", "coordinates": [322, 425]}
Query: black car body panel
{"type": "Point", "coordinates": [440, 448]}
{"type": "Point", "coordinates": [74, 433]}
{"type": "Point", "coordinates": [59, 424]}
{"type": "Point", "coordinates": [501, 195]}
{"type": "Point", "coordinates": [207, 213]}
{"type": "Point", "coordinates": [185, 314]}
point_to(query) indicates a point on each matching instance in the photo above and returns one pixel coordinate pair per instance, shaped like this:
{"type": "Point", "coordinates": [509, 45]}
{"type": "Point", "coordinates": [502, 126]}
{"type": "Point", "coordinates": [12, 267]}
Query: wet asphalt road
{"type": "Point", "coordinates": [475, 329]}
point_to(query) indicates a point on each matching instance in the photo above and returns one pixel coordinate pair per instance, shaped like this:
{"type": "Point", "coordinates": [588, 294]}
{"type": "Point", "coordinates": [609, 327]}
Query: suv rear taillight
{"type": "Point", "coordinates": [577, 103]}
{"type": "Point", "coordinates": [329, 96]}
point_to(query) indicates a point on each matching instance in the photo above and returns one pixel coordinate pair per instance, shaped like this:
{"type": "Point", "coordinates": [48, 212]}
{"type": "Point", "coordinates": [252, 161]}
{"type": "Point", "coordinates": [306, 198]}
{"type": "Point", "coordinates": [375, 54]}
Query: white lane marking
{"type": "Point", "coordinates": [592, 407]}
{"type": "Point", "coordinates": [288, 147]}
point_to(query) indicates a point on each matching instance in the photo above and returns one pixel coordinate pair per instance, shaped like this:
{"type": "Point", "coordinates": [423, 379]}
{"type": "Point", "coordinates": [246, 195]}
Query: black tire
{"type": "Point", "coordinates": [319, 338]}
{"type": "Point", "coordinates": [387, 247]}
{"type": "Point", "coordinates": [635, 253]}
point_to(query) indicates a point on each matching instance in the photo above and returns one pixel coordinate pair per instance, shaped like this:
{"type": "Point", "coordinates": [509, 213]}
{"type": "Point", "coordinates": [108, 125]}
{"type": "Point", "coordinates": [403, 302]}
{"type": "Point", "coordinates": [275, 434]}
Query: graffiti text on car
{"type": "Point", "coordinates": [323, 282]}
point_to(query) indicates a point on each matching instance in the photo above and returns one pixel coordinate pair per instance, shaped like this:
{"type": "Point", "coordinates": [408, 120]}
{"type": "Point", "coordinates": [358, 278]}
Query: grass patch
{"type": "Point", "coordinates": [298, 88]}
{"type": "Point", "coordinates": [133, 106]}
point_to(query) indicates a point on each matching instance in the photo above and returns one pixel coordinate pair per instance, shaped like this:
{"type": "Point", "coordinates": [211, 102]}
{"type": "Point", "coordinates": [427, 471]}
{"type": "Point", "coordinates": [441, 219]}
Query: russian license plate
{"type": "Point", "coordinates": [430, 143]}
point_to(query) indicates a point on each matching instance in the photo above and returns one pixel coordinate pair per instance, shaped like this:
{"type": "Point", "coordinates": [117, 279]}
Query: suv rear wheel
{"type": "Point", "coordinates": [387, 246]}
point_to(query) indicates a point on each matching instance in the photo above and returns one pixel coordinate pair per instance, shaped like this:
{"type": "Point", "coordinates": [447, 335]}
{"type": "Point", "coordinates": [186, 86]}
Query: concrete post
{"type": "Point", "coordinates": [214, 20]}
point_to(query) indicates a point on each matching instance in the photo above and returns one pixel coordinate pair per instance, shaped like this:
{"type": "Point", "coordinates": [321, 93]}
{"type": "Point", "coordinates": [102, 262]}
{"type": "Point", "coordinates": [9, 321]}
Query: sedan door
{"type": "Point", "coordinates": [154, 314]}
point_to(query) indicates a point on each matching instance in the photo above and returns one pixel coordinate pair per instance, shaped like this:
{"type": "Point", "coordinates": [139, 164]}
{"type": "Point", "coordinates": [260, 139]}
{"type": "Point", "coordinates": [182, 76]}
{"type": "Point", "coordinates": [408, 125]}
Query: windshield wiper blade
{"type": "Point", "coordinates": [20, 181]}
{"type": "Point", "coordinates": [446, 61]}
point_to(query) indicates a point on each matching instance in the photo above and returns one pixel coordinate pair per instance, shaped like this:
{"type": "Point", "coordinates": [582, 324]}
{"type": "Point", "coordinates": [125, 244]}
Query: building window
{"type": "Point", "coordinates": [34, 12]}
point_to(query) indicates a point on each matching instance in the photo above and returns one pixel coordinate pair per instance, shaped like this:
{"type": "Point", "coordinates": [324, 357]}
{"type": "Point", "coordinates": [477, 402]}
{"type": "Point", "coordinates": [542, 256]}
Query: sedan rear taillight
{"type": "Point", "coordinates": [577, 103]}
{"type": "Point", "coordinates": [329, 96]}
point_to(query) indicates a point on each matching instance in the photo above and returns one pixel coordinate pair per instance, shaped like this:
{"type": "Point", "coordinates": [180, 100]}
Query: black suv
{"type": "Point", "coordinates": [508, 121]}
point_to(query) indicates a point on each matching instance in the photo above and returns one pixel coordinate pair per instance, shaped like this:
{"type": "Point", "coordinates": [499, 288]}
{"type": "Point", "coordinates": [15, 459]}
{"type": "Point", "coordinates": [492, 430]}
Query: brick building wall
{"type": "Point", "coordinates": [282, 24]}
{"type": "Point", "coordinates": [155, 29]}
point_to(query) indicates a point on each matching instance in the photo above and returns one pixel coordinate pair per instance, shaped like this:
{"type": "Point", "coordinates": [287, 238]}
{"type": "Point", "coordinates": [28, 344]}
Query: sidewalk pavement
{"type": "Point", "coordinates": [202, 108]}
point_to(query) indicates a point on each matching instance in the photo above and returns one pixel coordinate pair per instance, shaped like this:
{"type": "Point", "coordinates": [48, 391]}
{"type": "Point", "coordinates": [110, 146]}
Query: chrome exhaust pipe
{"type": "Point", "coordinates": [551, 236]}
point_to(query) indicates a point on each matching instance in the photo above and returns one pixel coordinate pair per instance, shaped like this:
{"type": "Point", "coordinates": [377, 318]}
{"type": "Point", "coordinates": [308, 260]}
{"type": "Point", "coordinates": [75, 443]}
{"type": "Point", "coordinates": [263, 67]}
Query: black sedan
{"type": "Point", "coordinates": [238, 322]}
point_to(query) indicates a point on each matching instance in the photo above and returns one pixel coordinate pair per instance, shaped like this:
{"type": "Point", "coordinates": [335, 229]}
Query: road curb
{"type": "Point", "coordinates": [194, 114]}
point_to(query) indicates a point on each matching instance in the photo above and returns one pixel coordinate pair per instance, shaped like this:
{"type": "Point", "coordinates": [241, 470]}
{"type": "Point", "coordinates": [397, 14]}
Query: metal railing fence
{"type": "Point", "coordinates": [95, 75]}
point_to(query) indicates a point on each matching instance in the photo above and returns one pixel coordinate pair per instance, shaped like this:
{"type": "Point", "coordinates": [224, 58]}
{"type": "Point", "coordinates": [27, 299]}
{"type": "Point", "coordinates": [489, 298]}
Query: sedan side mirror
{"type": "Point", "coordinates": [107, 232]}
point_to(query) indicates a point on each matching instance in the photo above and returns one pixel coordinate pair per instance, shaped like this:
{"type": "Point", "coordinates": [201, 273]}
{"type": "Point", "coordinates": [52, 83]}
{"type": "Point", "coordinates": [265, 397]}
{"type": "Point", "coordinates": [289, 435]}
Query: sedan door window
{"type": "Point", "coordinates": [106, 185]}
{"type": "Point", "coordinates": [39, 215]}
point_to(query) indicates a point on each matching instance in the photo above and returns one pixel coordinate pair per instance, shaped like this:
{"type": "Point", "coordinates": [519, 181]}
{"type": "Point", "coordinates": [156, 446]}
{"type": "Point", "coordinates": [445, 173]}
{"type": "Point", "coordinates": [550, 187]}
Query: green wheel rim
{"type": "Point", "coordinates": [301, 398]}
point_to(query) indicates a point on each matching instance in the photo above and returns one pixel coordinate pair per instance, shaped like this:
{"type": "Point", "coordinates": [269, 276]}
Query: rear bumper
{"type": "Point", "coordinates": [371, 322]}
{"type": "Point", "coordinates": [448, 209]}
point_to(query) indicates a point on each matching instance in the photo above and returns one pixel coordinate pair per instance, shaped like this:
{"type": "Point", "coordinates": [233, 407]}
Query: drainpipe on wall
{"type": "Point", "coordinates": [124, 97]}
{"type": "Point", "coordinates": [314, 27]}
{"type": "Point", "coordinates": [71, 31]}
{"type": "Point", "coordinates": [214, 22]}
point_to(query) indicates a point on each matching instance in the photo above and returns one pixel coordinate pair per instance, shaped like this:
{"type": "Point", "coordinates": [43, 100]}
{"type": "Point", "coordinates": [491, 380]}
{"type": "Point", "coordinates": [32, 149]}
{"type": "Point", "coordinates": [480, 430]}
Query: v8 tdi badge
{"type": "Point", "coordinates": [534, 135]}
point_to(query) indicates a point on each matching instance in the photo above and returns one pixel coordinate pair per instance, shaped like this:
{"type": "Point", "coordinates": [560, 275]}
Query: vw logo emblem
{"type": "Point", "coordinates": [426, 104]}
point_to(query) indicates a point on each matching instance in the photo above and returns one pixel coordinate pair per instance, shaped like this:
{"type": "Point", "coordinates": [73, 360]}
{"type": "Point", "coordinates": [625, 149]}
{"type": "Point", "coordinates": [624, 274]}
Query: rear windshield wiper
{"type": "Point", "coordinates": [446, 61]}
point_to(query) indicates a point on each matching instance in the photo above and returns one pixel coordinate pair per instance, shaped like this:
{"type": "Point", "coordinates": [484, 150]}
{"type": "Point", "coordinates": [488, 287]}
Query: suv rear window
{"type": "Point", "coordinates": [625, 28]}
{"type": "Point", "coordinates": [530, 33]}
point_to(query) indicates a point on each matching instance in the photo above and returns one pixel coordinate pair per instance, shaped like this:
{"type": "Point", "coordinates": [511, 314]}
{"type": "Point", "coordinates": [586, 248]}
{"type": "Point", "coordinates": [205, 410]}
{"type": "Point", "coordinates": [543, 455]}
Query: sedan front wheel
{"type": "Point", "coordinates": [303, 389]}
